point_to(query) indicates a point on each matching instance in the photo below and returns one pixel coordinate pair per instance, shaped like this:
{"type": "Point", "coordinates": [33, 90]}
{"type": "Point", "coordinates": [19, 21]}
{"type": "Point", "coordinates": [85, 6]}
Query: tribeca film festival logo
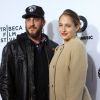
{"type": "Point", "coordinates": [8, 33]}
{"type": "Point", "coordinates": [84, 24]}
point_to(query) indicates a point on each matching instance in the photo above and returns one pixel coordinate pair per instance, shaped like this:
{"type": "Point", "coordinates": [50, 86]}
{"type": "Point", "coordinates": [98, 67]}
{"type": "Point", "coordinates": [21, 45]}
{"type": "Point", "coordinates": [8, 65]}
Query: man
{"type": "Point", "coordinates": [25, 61]}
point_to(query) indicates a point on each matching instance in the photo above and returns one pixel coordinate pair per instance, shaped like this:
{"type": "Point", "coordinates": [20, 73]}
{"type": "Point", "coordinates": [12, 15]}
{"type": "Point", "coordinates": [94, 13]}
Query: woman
{"type": "Point", "coordinates": [68, 67]}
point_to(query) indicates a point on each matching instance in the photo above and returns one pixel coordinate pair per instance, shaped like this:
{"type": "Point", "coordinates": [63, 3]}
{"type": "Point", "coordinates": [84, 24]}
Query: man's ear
{"type": "Point", "coordinates": [43, 22]}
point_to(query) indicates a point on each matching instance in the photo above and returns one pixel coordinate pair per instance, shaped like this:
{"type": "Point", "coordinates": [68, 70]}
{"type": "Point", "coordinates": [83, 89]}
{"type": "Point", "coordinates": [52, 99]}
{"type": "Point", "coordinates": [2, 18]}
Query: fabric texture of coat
{"type": "Point", "coordinates": [67, 71]}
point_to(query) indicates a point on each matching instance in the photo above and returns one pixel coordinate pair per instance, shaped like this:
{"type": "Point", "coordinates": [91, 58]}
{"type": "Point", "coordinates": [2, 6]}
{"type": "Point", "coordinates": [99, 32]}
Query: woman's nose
{"type": "Point", "coordinates": [63, 29]}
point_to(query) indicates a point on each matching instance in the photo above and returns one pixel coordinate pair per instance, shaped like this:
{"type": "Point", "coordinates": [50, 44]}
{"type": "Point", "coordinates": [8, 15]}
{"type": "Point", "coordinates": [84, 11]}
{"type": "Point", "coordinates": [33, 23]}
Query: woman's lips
{"type": "Point", "coordinates": [64, 34]}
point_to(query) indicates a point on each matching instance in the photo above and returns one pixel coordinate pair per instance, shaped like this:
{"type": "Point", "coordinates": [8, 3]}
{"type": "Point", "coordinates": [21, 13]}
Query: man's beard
{"type": "Point", "coordinates": [35, 35]}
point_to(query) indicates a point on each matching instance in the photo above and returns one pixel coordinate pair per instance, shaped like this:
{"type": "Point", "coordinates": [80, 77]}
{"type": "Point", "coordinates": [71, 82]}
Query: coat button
{"type": "Point", "coordinates": [52, 85]}
{"type": "Point", "coordinates": [53, 66]}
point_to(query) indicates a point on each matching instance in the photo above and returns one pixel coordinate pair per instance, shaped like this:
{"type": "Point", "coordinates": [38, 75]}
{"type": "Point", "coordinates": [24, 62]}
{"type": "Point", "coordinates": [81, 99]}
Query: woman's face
{"type": "Point", "coordinates": [67, 28]}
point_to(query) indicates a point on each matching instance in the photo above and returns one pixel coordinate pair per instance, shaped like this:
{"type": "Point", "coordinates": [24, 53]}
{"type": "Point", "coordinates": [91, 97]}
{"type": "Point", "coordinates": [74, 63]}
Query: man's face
{"type": "Point", "coordinates": [34, 26]}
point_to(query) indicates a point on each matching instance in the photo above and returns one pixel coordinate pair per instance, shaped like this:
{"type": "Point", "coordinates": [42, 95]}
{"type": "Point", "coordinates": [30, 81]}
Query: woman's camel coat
{"type": "Point", "coordinates": [67, 72]}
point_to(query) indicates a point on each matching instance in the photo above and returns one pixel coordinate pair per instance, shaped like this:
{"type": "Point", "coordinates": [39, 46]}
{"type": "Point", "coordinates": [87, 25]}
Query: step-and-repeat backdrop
{"type": "Point", "coordinates": [11, 24]}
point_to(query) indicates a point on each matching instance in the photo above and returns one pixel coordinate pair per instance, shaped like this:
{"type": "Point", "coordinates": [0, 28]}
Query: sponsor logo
{"type": "Point", "coordinates": [84, 24]}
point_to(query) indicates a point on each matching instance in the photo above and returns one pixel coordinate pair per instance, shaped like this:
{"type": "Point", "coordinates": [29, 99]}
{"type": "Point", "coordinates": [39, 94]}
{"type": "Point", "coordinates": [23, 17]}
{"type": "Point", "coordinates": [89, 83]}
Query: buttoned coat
{"type": "Point", "coordinates": [67, 72]}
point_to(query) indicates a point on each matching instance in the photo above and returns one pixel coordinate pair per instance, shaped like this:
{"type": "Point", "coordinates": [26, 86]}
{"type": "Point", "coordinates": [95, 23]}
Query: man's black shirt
{"type": "Point", "coordinates": [40, 72]}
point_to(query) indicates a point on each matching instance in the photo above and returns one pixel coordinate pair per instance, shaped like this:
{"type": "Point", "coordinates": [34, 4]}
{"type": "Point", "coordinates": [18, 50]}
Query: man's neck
{"type": "Point", "coordinates": [36, 40]}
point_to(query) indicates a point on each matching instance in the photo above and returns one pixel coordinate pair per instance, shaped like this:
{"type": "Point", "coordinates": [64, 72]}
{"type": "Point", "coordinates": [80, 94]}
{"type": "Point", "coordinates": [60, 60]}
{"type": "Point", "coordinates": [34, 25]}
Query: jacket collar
{"type": "Point", "coordinates": [24, 37]}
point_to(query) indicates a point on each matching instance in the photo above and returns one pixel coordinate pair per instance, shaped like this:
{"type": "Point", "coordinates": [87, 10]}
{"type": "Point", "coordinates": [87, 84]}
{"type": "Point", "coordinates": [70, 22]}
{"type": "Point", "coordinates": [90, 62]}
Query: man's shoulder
{"type": "Point", "coordinates": [22, 36]}
{"type": "Point", "coordinates": [12, 42]}
{"type": "Point", "coordinates": [50, 42]}
{"type": "Point", "coordinates": [9, 45]}
{"type": "Point", "coordinates": [53, 43]}
{"type": "Point", "coordinates": [15, 41]}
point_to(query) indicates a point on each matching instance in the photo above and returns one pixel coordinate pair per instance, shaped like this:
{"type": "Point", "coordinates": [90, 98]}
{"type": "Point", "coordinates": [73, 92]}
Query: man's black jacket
{"type": "Point", "coordinates": [16, 81]}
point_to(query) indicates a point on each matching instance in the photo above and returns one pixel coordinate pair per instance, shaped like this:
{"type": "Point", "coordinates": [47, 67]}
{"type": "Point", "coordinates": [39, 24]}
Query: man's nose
{"type": "Point", "coordinates": [32, 22]}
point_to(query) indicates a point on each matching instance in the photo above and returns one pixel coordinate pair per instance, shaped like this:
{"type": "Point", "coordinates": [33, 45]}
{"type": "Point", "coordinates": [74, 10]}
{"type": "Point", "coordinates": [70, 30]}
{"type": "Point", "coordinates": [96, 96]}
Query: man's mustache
{"type": "Point", "coordinates": [32, 27]}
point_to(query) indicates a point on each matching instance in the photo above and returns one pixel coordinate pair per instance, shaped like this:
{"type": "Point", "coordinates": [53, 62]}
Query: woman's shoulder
{"type": "Point", "coordinates": [77, 42]}
{"type": "Point", "coordinates": [59, 47]}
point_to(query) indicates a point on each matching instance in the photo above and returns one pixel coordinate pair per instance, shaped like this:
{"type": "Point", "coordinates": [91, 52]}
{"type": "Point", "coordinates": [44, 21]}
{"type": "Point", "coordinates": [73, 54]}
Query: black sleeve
{"type": "Point", "coordinates": [4, 72]}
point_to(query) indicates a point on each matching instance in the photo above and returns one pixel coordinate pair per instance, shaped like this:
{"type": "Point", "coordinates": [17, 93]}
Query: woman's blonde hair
{"type": "Point", "coordinates": [73, 15]}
